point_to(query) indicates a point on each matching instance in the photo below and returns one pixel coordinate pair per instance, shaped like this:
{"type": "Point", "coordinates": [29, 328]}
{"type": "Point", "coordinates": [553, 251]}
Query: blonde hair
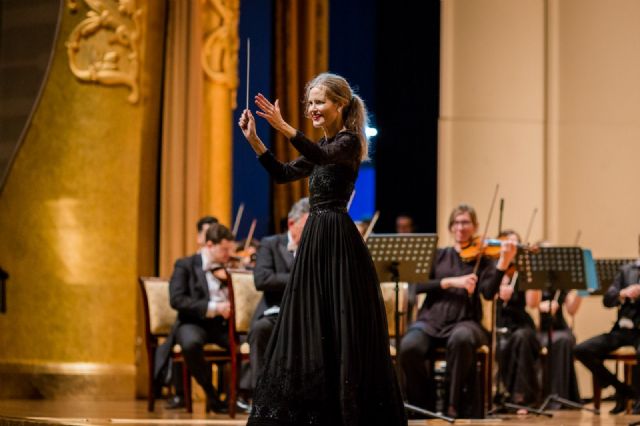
{"type": "Point", "coordinates": [354, 111]}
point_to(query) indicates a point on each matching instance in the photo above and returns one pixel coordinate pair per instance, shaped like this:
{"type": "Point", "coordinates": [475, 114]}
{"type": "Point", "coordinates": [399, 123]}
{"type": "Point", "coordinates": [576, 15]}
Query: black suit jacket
{"type": "Point", "coordinates": [189, 290]}
{"type": "Point", "coordinates": [271, 274]}
{"type": "Point", "coordinates": [189, 295]}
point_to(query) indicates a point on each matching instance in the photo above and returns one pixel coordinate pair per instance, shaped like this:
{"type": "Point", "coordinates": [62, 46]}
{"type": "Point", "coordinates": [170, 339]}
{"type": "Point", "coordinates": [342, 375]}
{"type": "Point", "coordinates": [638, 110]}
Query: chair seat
{"type": "Point", "coordinates": [623, 352]}
{"type": "Point", "coordinates": [209, 347]}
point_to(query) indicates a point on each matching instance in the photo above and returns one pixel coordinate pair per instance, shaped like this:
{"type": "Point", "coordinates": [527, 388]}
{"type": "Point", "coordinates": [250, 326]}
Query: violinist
{"type": "Point", "coordinates": [450, 318]}
{"type": "Point", "coordinates": [562, 373]}
{"type": "Point", "coordinates": [518, 349]}
{"type": "Point", "coordinates": [198, 292]}
{"type": "Point", "coordinates": [623, 293]}
{"type": "Point", "coordinates": [175, 376]}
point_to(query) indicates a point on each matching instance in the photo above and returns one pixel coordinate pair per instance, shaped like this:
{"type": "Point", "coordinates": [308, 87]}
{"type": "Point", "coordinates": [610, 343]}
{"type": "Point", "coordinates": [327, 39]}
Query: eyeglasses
{"type": "Point", "coordinates": [461, 223]}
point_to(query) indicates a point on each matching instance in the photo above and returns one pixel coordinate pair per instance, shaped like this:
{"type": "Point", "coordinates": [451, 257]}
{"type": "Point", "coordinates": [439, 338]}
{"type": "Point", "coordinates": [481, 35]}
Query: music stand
{"type": "Point", "coordinates": [4, 276]}
{"type": "Point", "coordinates": [404, 257]}
{"type": "Point", "coordinates": [607, 269]}
{"type": "Point", "coordinates": [553, 269]}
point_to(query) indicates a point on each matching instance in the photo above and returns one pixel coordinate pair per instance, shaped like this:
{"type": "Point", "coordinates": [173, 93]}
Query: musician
{"type": "Point", "coordinates": [561, 370]}
{"type": "Point", "coordinates": [177, 400]}
{"type": "Point", "coordinates": [518, 349]}
{"type": "Point", "coordinates": [450, 318]}
{"type": "Point", "coordinates": [271, 274]}
{"type": "Point", "coordinates": [623, 293]}
{"type": "Point", "coordinates": [198, 292]}
{"type": "Point", "coordinates": [404, 224]}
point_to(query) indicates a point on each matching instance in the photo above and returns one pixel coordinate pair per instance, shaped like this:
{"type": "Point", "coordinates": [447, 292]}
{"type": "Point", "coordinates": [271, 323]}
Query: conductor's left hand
{"type": "Point", "coordinates": [270, 112]}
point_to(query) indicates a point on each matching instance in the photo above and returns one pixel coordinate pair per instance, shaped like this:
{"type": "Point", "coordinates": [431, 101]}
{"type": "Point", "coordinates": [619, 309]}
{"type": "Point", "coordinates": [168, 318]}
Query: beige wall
{"type": "Point", "coordinates": [542, 97]}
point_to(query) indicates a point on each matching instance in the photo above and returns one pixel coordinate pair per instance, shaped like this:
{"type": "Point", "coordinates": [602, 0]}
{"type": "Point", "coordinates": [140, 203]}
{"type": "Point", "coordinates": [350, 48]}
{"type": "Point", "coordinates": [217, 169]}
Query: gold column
{"type": "Point", "coordinates": [220, 64]}
{"type": "Point", "coordinates": [77, 212]}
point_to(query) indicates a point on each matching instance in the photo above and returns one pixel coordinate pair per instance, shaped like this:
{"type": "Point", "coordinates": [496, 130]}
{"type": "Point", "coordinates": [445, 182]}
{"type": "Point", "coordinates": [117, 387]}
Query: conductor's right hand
{"type": "Point", "coordinates": [248, 125]}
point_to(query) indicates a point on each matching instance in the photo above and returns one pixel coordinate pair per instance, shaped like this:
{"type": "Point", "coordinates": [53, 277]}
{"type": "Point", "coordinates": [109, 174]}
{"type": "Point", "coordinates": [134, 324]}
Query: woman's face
{"type": "Point", "coordinates": [324, 113]}
{"type": "Point", "coordinates": [463, 228]}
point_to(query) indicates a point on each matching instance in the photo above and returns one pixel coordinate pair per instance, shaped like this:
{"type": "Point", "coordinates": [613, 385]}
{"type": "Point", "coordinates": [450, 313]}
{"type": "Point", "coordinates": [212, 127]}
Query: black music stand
{"type": "Point", "coordinates": [4, 276]}
{"type": "Point", "coordinates": [553, 269]}
{"type": "Point", "coordinates": [404, 257]}
{"type": "Point", "coordinates": [607, 269]}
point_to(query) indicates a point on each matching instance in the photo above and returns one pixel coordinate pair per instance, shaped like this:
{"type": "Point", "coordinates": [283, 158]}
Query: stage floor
{"type": "Point", "coordinates": [48, 412]}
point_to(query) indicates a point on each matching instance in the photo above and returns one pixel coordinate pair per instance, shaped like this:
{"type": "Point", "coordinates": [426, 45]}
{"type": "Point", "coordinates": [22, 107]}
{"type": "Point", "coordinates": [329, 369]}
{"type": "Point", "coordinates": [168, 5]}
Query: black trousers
{"type": "Point", "coordinates": [258, 338]}
{"type": "Point", "coordinates": [518, 354]}
{"type": "Point", "coordinates": [592, 353]}
{"type": "Point", "coordinates": [417, 347]}
{"type": "Point", "coordinates": [192, 338]}
{"type": "Point", "coordinates": [561, 370]}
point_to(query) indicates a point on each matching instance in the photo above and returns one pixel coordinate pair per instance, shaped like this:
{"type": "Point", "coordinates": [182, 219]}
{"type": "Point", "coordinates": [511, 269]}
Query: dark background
{"type": "Point", "coordinates": [389, 52]}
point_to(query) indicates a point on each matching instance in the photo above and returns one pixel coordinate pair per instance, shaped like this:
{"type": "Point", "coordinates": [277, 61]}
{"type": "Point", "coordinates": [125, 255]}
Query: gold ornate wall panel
{"type": "Point", "coordinates": [77, 220]}
{"type": "Point", "coordinates": [105, 46]}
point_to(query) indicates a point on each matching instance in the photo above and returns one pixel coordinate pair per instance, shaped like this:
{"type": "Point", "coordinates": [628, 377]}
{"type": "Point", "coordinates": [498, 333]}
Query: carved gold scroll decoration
{"type": "Point", "coordinates": [105, 47]}
{"type": "Point", "coordinates": [221, 44]}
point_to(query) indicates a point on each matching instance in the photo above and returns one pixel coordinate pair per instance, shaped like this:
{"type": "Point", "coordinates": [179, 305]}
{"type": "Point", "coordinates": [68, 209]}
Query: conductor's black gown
{"type": "Point", "coordinates": [328, 361]}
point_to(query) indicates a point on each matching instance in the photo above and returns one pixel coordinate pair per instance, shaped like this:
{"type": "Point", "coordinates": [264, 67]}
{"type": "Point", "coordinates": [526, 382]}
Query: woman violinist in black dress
{"type": "Point", "coordinates": [328, 360]}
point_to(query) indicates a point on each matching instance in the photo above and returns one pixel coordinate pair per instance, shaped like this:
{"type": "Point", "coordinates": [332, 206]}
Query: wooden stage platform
{"type": "Point", "coordinates": [85, 413]}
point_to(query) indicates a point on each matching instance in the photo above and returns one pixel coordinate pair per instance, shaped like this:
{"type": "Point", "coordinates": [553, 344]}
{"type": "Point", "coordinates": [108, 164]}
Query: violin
{"type": "Point", "coordinates": [491, 249]}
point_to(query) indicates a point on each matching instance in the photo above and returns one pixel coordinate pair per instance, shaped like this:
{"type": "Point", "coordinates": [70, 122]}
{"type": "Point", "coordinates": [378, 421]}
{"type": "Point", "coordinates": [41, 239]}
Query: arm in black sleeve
{"type": "Point", "coordinates": [180, 297]}
{"type": "Point", "coordinates": [286, 172]}
{"type": "Point", "coordinates": [489, 279]}
{"type": "Point", "coordinates": [431, 286]}
{"type": "Point", "coordinates": [612, 297]}
{"type": "Point", "coordinates": [345, 149]}
{"type": "Point", "coordinates": [265, 276]}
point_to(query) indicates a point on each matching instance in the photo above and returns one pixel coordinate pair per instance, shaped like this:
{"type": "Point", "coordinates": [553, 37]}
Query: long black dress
{"type": "Point", "coordinates": [328, 360]}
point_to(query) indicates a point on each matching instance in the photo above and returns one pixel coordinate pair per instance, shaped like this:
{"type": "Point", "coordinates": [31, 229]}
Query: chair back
{"type": "Point", "coordinates": [158, 313]}
{"type": "Point", "coordinates": [246, 299]}
{"type": "Point", "coordinates": [388, 290]}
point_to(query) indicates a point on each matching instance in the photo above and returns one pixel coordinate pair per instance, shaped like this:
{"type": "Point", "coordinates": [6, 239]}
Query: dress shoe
{"type": "Point", "coordinates": [622, 397]}
{"type": "Point", "coordinates": [174, 402]}
{"type": "Point", "coordinates": [214, 404]}
{"type": "Point", "coordinates": [243, 405]}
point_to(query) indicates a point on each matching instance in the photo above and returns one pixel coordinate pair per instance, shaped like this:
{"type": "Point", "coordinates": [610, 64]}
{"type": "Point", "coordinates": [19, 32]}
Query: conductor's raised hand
{"type": "Point", "coordinates": [271, 112]}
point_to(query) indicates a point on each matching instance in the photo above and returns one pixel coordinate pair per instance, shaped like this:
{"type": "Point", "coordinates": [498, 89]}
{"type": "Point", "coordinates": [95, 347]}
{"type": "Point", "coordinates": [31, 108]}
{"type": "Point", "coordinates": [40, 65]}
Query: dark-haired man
{"type": "Point", "coordinates": [198, 292]}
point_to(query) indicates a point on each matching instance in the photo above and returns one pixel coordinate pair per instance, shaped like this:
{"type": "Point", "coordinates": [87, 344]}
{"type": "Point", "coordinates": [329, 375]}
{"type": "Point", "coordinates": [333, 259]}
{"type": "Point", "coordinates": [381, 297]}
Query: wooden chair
{"type": "Point", "coordinates": [246, 300]}
{"type": "Point", "coordinates": [388, 290]}
{"type": "Point", "coordinates": [625, 355]}
{"type": "Point", "coordinates": [160, 317]}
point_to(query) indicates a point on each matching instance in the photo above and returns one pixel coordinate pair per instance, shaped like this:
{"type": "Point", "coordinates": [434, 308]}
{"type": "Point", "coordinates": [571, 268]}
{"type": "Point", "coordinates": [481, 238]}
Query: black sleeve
{"type": "Point", "coordinates": [612, 297]}
{"type": "Point", "coordinates": [285, 172]}
{"type": "Point", "coordinates": [265, 276]}
{"type": "Point", "coordinates": [180, 297]}
{"type": "Point", "coordinates": [345, 149]}
{"type": "Point", "coordinates": [489, 279]}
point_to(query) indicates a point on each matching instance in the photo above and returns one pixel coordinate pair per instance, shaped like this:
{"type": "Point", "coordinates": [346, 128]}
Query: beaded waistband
{"type": "Point", "coordinates": [326, 209]}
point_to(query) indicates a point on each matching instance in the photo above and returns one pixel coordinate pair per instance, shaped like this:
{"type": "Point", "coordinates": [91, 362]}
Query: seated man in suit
{"type": "Point", "coordinates": [271, 274]}
{"type": "Point", "coordinates": [198, 292]}
{"type": "Point", "coordinates": [177, 400]}
{"type": "Point", "coordinates": [625, 293]}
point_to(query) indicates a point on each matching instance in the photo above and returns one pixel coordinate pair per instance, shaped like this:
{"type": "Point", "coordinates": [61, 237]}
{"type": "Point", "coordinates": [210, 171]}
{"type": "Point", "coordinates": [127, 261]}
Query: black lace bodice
{"type": "Point", "coordinates": [331, 165]}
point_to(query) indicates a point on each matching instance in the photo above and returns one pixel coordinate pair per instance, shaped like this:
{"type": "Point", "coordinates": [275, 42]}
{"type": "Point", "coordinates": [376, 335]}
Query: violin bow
{"type": "Point", "coordinates": [500, 216]}
{"type": "Point", "coordinates": [486, 230]}
{"type": "Point", "coordinates": [374, 219]}
{"type": "Point", "coordinates": [236, 223]}
{"type": "Point", "coordinates": [252, 229]}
